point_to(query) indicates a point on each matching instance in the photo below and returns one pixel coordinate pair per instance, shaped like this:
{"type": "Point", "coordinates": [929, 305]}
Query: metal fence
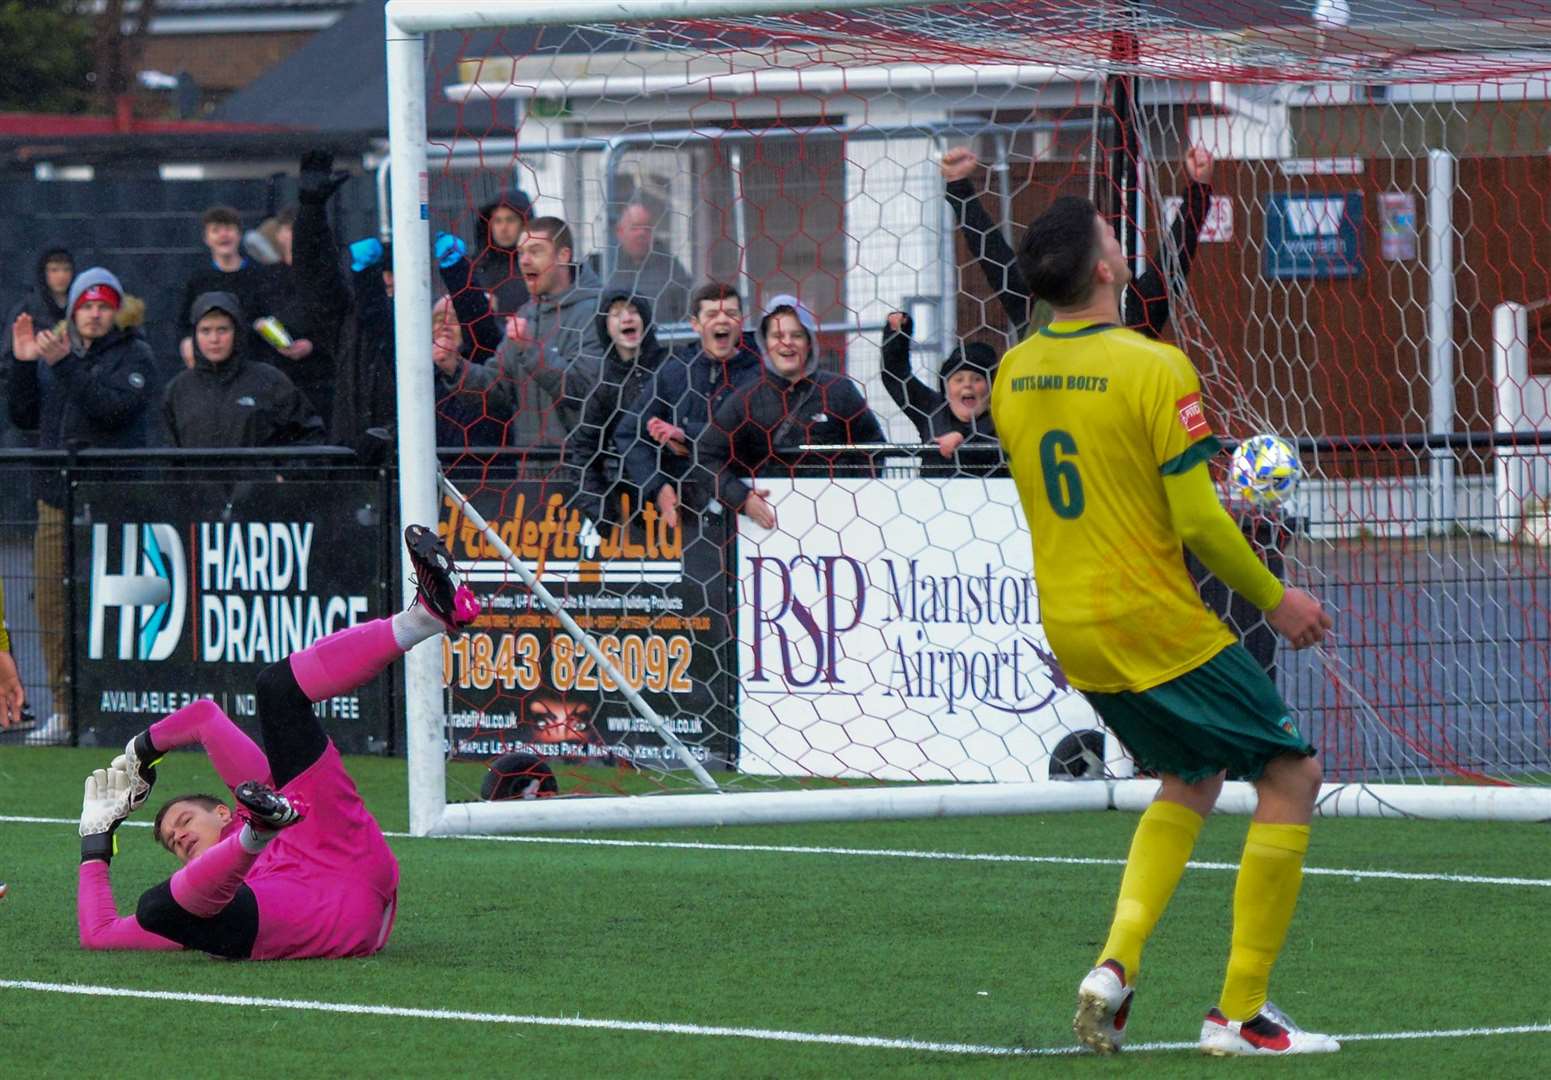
{"type": "Point", "coordinates": [134, 581]}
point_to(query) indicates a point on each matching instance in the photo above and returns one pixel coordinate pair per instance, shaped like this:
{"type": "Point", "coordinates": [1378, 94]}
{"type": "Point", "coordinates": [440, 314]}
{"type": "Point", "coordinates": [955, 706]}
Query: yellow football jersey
{"type": "Point", "coordinates": [1092, 417]}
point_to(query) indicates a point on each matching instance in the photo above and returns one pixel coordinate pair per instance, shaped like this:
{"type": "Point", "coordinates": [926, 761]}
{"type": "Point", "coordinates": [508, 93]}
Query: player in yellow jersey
{"type": "Point", "coordinates": [12, 697]}
{"type": "Point", "coordinates": [1108, 445]}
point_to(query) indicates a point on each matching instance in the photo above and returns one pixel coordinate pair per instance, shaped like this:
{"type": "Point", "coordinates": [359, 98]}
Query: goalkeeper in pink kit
{"type": "Point", "coordinates": [300, 868]}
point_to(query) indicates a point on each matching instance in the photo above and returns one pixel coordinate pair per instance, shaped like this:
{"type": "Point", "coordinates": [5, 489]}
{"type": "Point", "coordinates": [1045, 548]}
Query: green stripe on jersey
{"type": "Point", "coordinates": [1081, 331]}
{"type": "Point", "coordinates": [1193, 456]}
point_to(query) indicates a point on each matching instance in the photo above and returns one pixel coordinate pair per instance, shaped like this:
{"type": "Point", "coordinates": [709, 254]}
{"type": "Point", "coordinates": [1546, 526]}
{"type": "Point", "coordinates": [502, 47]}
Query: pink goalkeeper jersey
{"type": "Point", "coordinates": [327, 887]}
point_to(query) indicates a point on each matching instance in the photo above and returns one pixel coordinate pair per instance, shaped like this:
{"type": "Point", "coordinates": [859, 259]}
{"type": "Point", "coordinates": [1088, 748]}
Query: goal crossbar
{"type": "Point", "coordinates": [406, 24]}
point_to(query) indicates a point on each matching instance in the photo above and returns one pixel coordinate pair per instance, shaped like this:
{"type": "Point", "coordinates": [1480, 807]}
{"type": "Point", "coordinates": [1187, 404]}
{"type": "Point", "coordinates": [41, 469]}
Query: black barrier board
{"type": "Point", "coordinates": [654, 597]}
{"type": "Point", "coordinates": [188, 589]}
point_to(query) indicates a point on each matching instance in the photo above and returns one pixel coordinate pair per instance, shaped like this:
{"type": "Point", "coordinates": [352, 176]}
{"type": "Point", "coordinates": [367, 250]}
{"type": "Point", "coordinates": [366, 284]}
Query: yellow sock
{"type": "Point", "coordinates": [1270, 875]}
{"type": "Point", "coordinates": [1159, 851]}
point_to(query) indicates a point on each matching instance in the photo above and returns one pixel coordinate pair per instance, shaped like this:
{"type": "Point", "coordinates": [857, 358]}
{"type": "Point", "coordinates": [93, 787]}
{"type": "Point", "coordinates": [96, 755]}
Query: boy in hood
{"type": "Point", "coordinates": [228, 400]}
{"type": "Point", "coordinates": [631, 355]}
{"type": "Point", "coordinates": [496, 236]}
{"type": "Point", "coordinates": [792, 403]}
{"type": "Point", "coordinates": [958, 409]}
{"type": "Point", "coordinates": [45, 302]}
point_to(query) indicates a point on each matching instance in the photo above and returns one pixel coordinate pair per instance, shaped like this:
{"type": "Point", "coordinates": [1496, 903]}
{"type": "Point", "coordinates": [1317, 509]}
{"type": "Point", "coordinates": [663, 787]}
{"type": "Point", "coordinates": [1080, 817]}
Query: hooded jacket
{"type": "Point", "coordinates": [39, 302]}
{"type": "Point", "coordinates": [562, 336]}
{"type": "Point", "coordinates": [46, 313]}
{"type": "Point", "coordinates": [685, 392]}
{"type": "Point", "coordinates": [97, 396]}
{"type": "Point", "coordinates": [495, 267]}
{"type": "Point", "coordinates": [591, 456]}
{"type": "Point", "coordinates": [241, 402]}
{"type": "Point", "coordinates": [773, 412]}
{"type": "Point", "coordinates": [926, 407]}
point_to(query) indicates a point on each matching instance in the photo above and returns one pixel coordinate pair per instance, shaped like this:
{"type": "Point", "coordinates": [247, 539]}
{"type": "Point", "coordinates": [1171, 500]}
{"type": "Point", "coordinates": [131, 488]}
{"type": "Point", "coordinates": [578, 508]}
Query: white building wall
{"type": "Point", "coordinates": [895, 216]}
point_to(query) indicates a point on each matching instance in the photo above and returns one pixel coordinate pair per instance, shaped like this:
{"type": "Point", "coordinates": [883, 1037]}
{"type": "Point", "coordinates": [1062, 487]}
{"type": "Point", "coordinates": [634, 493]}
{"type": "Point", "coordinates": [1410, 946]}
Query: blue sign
{"type": "Point", "coordinates": [1313, 236]}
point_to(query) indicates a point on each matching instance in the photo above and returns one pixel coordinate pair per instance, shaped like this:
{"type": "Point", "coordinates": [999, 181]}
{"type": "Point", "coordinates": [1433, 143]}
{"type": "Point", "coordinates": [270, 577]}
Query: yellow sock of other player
{"type": "Point", "coordinates": [1270, 875]}
{"type": "Point", "coordinates": [1159, 851]}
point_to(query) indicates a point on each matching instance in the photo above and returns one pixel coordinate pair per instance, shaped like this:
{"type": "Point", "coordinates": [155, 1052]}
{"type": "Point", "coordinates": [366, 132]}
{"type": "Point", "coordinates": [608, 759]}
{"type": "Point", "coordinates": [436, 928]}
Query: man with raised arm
{"type": "Point", "coordinates": [1108, 444]}
{"type": "Point", "coordinates": [300, 868]}
{"type": "Point", "coordinates": [957, 411]}
{"type": "Point", "coordinates": [1145, 307]}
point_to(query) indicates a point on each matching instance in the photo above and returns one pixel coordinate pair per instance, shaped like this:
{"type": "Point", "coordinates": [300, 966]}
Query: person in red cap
{"type": "Point", "coordinates": [87, 383]}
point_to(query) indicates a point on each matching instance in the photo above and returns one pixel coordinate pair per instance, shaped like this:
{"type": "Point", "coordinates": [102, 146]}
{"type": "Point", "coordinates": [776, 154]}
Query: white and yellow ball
{"type": "Point", "coordinates": [1265, 470]}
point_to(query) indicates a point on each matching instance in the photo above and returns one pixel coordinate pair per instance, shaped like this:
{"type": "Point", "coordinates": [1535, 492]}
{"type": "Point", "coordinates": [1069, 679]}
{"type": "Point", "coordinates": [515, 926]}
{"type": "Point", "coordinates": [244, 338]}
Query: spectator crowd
{"type": "Point", "coordinates": [286, 339]}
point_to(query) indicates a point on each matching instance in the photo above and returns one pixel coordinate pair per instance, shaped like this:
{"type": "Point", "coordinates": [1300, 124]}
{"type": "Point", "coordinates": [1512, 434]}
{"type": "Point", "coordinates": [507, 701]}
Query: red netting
{"type": "Point", "coordinates": [1365, 273]}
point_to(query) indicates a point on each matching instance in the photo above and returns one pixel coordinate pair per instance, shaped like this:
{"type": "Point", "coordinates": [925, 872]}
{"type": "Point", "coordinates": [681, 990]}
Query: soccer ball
{"type": "Point", "coordinates": [1265, 470]}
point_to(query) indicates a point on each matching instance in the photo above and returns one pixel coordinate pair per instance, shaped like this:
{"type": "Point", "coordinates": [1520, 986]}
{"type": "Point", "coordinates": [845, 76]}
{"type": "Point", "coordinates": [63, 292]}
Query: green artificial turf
{"type": "Point", "coordinates": [985, 953]}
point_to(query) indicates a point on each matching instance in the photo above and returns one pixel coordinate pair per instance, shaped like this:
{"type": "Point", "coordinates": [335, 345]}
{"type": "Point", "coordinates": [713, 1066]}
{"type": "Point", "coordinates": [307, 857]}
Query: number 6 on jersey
{"type": "Point", "coordinates": [1063, 483]}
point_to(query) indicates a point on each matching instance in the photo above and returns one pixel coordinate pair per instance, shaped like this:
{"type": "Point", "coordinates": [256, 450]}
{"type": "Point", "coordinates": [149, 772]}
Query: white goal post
{"type": "Point", "coordinates": [406, 24]}
{"type": "Point", "coordinates": [1335, 505]}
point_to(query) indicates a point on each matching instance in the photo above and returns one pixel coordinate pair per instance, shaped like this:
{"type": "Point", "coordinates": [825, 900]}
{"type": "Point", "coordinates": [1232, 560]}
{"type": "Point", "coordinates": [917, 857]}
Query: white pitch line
{"type": "Point", "coordinates": [969, 856]}
{"type": "Point", "coordinates": [873, 1042]}
{"type": "Point", "coordinates": [890, 853]}
{"type": "Point", "coordinates": [646, 1026]}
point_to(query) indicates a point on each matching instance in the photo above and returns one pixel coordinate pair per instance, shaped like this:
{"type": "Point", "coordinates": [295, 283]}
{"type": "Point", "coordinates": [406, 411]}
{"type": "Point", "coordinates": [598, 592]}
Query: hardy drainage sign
{"type": "Point", "coordinates": [187, 590]}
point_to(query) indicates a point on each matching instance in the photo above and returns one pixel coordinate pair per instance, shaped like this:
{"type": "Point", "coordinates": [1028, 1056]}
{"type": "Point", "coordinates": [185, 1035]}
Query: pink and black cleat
{"type": "Point", "coordinates": [265, 808]}
{"type": "Point", "coordinates": [437, 588]}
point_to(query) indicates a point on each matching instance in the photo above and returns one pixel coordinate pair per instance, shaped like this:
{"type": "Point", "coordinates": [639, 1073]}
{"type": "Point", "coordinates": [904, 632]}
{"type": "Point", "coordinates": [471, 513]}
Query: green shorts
{"type": "Point", "coordinates": [1223, 715]}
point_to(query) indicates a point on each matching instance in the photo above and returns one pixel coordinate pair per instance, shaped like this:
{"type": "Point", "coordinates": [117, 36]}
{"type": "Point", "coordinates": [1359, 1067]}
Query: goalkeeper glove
{"type": "Point", "coordinates": [318, 180]}
{"type": "Point", "coordinates": [365, 254]}
{"type": "Point", "coordinates": [449, 250]}
{"type": "Point", "coordinates": [105, 805]}
{"type": "Point", "coordinates": [139, 760]}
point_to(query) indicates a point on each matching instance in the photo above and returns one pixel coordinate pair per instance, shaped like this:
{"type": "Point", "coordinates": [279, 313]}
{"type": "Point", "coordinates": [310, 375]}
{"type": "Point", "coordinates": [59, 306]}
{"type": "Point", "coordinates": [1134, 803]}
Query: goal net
{"type": "Point", "coordinates": [1341, 217]}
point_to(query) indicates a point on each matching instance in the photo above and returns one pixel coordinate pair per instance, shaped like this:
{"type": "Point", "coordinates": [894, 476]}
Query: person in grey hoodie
{"type": "Point", "coordinates": [550, 335]}
{"type": "Point", "coordinates": [791, 404]}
